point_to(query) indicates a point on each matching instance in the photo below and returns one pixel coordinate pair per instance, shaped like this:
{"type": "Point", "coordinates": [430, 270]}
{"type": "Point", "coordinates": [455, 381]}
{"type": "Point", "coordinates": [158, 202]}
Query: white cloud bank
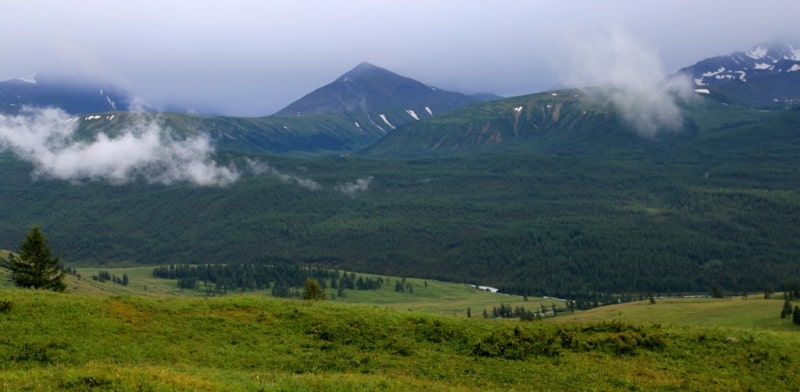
{"type": "Point", "coordinates": [46, 138]}
{"type": "Point", "coordinates": [633, 77]}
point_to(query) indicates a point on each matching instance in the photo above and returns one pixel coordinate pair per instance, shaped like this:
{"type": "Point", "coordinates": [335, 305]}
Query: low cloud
{"type": "Point", "coordinates": [143, 149]}
{"type": "Point", "coordinates": [631, 75]}
{"type": "Point", "coordinates": [260, 168]}
{"type": "Point", "coordinates": [348, 188]}
{"type": "Point", "coordinates": [352, 188]}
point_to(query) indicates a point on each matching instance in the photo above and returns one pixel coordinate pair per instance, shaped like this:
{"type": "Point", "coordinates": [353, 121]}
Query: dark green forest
{"type": "Point", "coordinates": [720, 208]}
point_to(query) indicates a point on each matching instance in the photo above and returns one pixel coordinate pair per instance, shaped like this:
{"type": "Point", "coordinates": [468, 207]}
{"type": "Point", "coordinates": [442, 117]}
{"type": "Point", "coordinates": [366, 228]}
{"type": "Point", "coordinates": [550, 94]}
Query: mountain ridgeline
{"type": "Point", "coordinates": [562, 122]}
{"type": "Point", "coordinates": [553, 193]}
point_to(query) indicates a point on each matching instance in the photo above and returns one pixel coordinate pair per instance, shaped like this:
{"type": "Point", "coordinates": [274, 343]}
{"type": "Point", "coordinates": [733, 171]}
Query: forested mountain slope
{"type": "Point", "coordinates": [718, 208]}
{"type": "Point", "coordinates": [566, 122]}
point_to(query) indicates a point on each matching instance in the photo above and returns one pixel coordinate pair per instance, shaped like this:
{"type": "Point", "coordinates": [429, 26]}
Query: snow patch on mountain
{"type": "Point", "coordinates": [383, 117]}
{"type": "Point", "coordinates": [713, 73]}
{"type": "Point", "coordinates": [412, 114]}
{"type": "Point", "coordinates": [759, 52]}
{"type": "Point", "coordinates": [430, 112]}
{"type": "Point", "coordinates": [111, 102]}
{"type": "Point", "coordinates": [795, 53]}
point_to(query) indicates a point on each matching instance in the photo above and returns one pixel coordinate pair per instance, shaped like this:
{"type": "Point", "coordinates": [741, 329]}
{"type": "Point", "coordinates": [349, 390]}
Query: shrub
{"type": "Point", "coordinates": [5, 306]}
{"type": "Point", "coordinates": [517, 345]}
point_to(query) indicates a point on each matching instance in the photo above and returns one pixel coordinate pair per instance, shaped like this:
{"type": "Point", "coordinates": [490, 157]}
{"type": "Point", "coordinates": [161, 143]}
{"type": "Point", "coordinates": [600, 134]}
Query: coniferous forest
{"type": "Point", "coordinates": [676, 216]}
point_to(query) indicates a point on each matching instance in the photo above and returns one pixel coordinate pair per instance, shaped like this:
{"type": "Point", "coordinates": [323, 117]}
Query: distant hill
{"type": "Point", "coordinates": [565, 122]}
{"type": "Point", "coordinates": [386, 100]}
{"type": "Point", "coordinates": [75, 97]}
{"type": "Point", "coordinates": [318, 134]}
{"type": "Point", "coordinates": [767, 75]}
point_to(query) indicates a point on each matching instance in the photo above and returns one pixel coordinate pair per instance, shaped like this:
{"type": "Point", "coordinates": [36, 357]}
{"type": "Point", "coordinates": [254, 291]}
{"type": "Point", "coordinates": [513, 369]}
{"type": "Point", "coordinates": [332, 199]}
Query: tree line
{"type": "Point", "coordinates": [282, 279]}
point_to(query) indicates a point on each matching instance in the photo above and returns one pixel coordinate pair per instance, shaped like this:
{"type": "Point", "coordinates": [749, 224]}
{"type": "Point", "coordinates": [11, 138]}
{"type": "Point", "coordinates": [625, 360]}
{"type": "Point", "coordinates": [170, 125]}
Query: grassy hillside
{"type": "Point", "coordinates": [77, 342]}
{"type": "Point", "coordinates": [429, 296]}
{"type": "Point", "coordinates": [754, 312]}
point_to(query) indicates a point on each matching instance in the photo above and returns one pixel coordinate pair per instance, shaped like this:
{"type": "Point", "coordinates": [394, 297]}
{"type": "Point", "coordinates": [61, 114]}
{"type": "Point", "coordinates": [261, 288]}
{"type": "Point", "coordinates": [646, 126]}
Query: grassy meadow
{"type": "Point", "coordinates": [430, 296]}
{"type": "Point", "coordinates": [105, 336]}
{"type": "Point", "coordinates": [754, 312]}
{"type": "Point", "coordinates": [80, 342]}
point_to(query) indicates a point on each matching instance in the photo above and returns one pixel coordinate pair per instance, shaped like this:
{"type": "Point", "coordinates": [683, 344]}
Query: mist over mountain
{"type": "Point", "coordinates": [389, 114]}
{"type": "Point", "coordinates": [70, 95]}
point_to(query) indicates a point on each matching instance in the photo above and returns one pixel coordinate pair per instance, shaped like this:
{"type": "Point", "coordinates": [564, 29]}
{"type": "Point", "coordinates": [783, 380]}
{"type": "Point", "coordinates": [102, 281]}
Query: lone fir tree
{"type": "Point", "coordinates": [34, 266]}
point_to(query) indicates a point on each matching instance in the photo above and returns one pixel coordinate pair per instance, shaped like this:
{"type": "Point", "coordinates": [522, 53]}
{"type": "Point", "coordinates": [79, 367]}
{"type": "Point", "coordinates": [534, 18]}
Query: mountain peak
{"type": "Point", "coordinates": [774, 51]}
{"type": "Point", "coordinates": [364, 66]}
{"type": "Point", "coordinates": [359, 70]}
{"type": "Point", "coordinates": [377, 93]}
{"type": "Point", "coordinates": [30, 79]}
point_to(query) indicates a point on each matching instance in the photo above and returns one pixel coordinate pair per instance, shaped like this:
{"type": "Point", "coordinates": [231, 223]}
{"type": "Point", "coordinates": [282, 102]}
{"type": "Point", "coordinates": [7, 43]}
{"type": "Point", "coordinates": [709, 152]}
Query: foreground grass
{"type": "Point", "coordinates": [118, 342]}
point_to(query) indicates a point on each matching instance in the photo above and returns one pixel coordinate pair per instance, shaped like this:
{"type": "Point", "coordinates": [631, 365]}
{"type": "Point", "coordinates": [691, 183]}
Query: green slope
{"type": "Point", "coordinates": [567, 122]}
{"type": "Point", "coordinates": [313, 134]}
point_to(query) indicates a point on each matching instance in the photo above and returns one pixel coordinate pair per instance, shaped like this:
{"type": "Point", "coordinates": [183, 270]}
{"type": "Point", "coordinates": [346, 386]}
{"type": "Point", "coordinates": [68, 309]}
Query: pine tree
{"type": "Point", "coordinates": [787, 308]}
{"type": "Point", "coordinates": [34, 267]}
{"type": "Point", "coordinates": [796, 315]}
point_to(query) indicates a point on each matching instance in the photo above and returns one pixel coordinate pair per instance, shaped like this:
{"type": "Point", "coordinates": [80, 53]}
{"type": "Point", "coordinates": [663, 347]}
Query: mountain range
{"type": "Point", "coordinates": [362, 110]}
{"type": "Point", "coordinates": [352, 112]}
{"type": "Point", "coordinates": [553, 193]}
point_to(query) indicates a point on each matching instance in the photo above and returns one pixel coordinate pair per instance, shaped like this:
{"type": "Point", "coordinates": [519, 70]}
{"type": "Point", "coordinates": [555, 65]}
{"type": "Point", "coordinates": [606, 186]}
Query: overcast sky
{"type": "Point", "coordinates": [254, 57]}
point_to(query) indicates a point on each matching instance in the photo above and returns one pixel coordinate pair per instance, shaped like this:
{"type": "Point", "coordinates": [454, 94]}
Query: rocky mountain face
{"type": "Point", "coordinates": [385, 99]}
{"type": "Point", "coordinates": [766, 75]}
